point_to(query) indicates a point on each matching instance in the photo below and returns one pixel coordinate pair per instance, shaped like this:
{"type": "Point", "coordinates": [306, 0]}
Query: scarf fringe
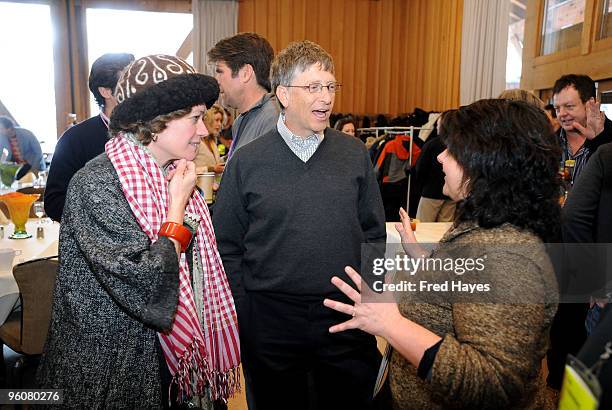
{"type": "Point", "coordinates": [194, 374]}
{"type": "Point", "coordinates": [227, 384]}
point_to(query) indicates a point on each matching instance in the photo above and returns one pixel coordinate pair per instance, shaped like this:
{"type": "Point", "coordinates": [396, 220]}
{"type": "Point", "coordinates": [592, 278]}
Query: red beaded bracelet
{"type": "Point", "coordinates": [177, 232]}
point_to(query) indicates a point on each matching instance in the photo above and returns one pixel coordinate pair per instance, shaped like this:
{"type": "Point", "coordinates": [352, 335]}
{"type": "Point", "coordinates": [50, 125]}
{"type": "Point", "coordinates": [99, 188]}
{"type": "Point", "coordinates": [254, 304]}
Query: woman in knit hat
{"type": "Point", "coordinates": [142, 313]}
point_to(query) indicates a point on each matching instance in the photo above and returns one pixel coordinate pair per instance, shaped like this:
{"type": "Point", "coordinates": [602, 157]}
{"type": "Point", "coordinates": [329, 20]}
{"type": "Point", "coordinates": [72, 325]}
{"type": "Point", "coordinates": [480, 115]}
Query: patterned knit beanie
{"type": "Point", "coordinates": [159, 84]}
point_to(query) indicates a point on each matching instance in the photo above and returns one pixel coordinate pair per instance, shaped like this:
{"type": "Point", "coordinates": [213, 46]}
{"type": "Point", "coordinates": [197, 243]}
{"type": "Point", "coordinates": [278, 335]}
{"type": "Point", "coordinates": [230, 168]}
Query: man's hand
{"type": "Point", "coordinates": [218, 169]}
{"type": "Point", "coordinates": [595, 121]}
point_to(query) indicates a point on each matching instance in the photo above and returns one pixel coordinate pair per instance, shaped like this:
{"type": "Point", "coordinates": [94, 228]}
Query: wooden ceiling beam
{"type": "Point", "coordinates": [519, 3]}
{"type": "Point", "coordinates": [520, 13]}
{"type": "Point", "coordinates": [187, 47]}
{"type": "Point", "coordinates": [5, 111]}
{"type": "Point", "coordinates": [168, 6]}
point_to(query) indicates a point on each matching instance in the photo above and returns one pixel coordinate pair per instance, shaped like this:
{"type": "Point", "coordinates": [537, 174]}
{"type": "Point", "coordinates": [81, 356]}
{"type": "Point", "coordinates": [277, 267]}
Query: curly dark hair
{"type": "Point", "coordinates": [510, 161]}
{"type": "Point", "coordinates": [146, 130]}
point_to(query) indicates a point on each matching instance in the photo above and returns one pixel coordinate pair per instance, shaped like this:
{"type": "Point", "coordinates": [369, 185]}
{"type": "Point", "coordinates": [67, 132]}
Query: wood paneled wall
{"type": "Point", "coordinates": [390, 55]}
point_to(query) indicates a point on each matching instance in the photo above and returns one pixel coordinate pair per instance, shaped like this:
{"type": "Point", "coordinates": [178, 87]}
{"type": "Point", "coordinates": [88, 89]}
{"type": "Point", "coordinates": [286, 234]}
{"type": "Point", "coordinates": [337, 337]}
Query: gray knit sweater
{"type": "Point", "coordinates": [287, 226]}
{"type": "Point", "coordinates": [114, 291]}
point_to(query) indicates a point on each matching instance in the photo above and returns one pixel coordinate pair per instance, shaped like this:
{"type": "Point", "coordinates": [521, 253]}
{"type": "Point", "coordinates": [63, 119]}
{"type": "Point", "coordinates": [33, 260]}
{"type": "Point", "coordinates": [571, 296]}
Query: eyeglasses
{"type": "Point", "coordinates": [316, 88]}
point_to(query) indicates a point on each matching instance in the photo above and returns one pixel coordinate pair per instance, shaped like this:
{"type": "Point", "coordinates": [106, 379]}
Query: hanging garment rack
{"type": "Point", "coordinates": [399, 131]}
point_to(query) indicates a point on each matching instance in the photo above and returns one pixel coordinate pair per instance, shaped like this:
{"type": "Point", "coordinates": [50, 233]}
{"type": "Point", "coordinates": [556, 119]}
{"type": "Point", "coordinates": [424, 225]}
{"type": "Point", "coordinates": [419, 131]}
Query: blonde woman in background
{"type": "Point", "coordinates": [208, 159]}
{"type": "Point", "coordinates": [517, 94]}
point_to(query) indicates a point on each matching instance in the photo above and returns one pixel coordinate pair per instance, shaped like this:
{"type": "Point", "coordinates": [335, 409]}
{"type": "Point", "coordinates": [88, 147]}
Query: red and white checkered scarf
{"type": "Point", "coordinates": [197, 356]}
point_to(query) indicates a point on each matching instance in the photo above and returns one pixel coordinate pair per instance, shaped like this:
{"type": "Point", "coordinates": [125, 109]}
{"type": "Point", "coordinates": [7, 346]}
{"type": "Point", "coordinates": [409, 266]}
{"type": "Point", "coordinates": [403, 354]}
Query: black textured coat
{"type": "Point", "coordinates": [114, 291]}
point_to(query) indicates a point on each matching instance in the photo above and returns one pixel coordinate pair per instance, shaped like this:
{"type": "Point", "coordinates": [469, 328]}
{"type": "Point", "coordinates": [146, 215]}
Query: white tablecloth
{"type": "Point", "coordinates": [34, 248]}
{"type": "Point", "coordinates": [426, 232]}
{"type": "Point", "coordinates": [31, 248]}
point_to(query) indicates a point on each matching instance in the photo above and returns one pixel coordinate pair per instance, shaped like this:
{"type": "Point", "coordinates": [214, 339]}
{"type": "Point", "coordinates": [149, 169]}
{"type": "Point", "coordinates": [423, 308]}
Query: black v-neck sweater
{"type": "Point", "coordinates": [285, 226]}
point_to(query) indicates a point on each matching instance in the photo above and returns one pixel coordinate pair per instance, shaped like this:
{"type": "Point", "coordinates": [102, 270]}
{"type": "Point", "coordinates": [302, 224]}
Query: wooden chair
{"type": "Point", "coordinates": [25, 330]}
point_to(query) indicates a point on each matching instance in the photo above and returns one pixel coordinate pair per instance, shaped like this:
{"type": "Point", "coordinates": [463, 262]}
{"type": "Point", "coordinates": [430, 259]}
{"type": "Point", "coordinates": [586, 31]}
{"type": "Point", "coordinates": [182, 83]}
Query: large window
{"type": "Point", "coordinates": [562, 26]}
{"type": "Point", "coordinates": [137, 32]}
{"type": "Point", "coordinates": [26, 73]}
{"type": "Point", "coordinates": [606, 103]}
{"type": "Point", "coordinates": [606, 20]}
{"type": "Point", "coordinates": [516, 34]}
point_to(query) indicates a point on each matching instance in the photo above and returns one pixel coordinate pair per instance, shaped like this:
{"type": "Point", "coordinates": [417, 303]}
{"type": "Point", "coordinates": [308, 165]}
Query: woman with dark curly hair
{"type": "Point", "coordinates": [450, 349]}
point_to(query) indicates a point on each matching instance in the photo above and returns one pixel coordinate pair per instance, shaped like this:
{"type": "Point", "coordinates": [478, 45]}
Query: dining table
{"type": "Point", "coordinates": [425, 232]}
{"type": "Point", "coordinates": [34, 248]}
{"type": "Point", "coordinates": [27, 249]}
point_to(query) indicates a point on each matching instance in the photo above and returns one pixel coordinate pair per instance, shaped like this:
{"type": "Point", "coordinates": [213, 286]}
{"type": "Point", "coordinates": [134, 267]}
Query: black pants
{"type": "Point", "coordinates": [294, 362]}
{"type": "Point", "coordinates": [394, 196]}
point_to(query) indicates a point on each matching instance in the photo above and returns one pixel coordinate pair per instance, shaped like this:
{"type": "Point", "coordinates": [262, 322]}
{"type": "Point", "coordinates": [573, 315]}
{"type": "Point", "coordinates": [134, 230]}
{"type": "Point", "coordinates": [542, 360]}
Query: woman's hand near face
{"type": "Point", "coordinates": [181, 184]}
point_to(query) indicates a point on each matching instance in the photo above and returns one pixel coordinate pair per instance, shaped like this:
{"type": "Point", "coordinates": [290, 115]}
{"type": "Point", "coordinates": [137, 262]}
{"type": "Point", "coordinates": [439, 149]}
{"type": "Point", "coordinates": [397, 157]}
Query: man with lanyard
{"type": "Point", "coordinates": [86, 140]}
{"type": "Point", "coordinates": [583, 127]}
{"type": "Point", "coordinates": [242, 68]}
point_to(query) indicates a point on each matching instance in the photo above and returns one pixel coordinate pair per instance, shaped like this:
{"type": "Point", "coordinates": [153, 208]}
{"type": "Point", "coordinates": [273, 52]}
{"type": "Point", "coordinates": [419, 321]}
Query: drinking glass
{"type": "Point", "coordinates": [39, 211]}
{"type": "Point", "coordinates": [42, 179]}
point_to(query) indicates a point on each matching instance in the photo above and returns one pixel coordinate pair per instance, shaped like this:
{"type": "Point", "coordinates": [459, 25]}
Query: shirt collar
{"type": "Point", "coordinates": [288, 135]}
{"type": "Point", "coordinates": [582, 150]}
